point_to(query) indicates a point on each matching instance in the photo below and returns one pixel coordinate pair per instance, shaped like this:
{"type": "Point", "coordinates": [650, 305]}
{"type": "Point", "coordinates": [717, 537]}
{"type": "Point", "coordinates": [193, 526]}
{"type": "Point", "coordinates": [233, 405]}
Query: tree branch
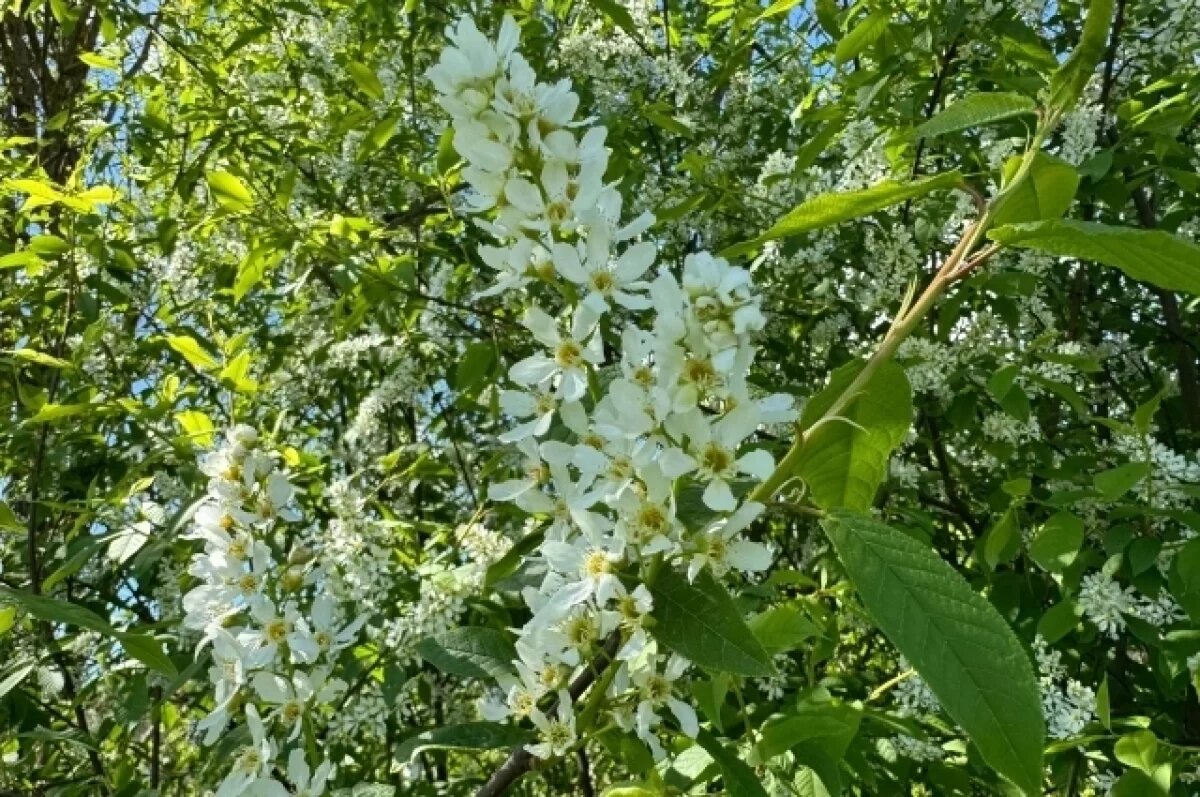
{"type": "Point", "coordinates": [520, 760]}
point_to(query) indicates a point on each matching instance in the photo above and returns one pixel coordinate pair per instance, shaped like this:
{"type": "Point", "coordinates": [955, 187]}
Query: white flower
{"type": "Point", "coordinates": [606, 281]}
{"type": "Point", "coordinates": [713, 450]}
{"type": "Point", "coordinates": [1104, 602]}
{"type": "Point", "coordinates": [538, 405]}
{"type": "Point", "coordinates": [293, 697]}
{"type": "Point", "coordinates": [557, 735]}
{"type": "Point", "coordinates": [569, 357]}
{"type": "Point", "coordinates": [594, 562]}
{"type": "Point", "coordinates": [721, 547]}
{"type": "Point", "coordinates": [253, 762]}
{"type": "Point", "coordinates": [306, 782]}
{"type": "Point", "coordinates": [535, 470]}
{"type": "Point", "coordinates": [656, 690]}
{"type": "Point", "coordinates": [274, 630]}
{"type": "Point", "coordinates": [633, 609]}
{"type": "Point", "coordinates": [231, 662]}
{"type": "Point", "coordinates": [329, 638]}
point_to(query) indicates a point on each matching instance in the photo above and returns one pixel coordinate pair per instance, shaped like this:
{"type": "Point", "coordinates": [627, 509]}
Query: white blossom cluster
{"type": "Point", "coordinates": [445, 586]}
{"type": "Point", "coordinates": [273, 641]}
{"type": "Point", "coordinates": [1105, 603]}
{"type": "Point", "coordinates": [1067, 704]}
{"type": "Point", "coordinates": [672, 402]}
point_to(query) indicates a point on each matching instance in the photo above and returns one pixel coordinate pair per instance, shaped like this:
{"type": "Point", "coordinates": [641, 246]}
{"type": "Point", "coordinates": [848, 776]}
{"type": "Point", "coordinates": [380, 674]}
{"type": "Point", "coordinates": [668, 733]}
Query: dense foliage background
{"type": "Point", "coordinates": [245, 213]}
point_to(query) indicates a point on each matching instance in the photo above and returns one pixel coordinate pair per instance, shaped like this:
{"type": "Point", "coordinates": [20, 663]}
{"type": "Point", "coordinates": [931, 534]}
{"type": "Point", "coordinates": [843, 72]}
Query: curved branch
{"type": "Point", "coordinates": [520, 760]}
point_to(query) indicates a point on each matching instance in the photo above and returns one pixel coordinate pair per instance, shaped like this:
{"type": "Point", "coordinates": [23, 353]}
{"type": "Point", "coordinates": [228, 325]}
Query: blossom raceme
{"type": "Point", "coordinates": [643, 369]}
{"type": "Point", "coordinates": [273, 640]}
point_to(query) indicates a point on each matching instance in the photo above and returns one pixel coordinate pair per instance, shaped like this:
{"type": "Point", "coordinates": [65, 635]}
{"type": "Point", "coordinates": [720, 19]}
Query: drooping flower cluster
{"type": "Point", "coordinates": [1067, 704]}
{"type": "Point", "coordinates": [641, 373]}
{"type": "Point", "coordinates": [273, 640]}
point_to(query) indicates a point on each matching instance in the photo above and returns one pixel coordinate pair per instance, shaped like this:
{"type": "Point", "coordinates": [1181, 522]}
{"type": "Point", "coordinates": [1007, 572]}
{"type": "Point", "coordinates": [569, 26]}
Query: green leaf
{"type": "Point", "coordinates": [1103, 704]}
{"type": "Point", "coordinates": [1184, 578]}
{"type": "Point", "coordinates": [831, 725]}
{"type": "Point", "coordinates": [843, 462]}
{"type": "Point", "coordinates": [478, 361]}
{"type": "Point", "coordinates": [52, 610]}
{"type": "Point", "coordinates": [197, 426]}
{"type": "Point", "coordinates": [1121, 479]}
{"type": "Point", "coordinates": [192, 351]}
{"type": "Point", "coordinates": [1136, 783]}
{"type": "Point", "coordinates": [15, 677]}
{"type": "Point", "coordinates": [9, 520]}
{"type": "Point", "coordinates": [365, 78]}
{"type": "Point", "coordinates": [230, 192]}
{"type": "Point", "coordinates": [48, 413]}
{"type": "Point", "coordinates": [783, 628]}
{"type": "Point", "coordinates": [809, 784]}
{"type": "Point", "coordinates": [482, 653]}
{"type": "Point", "coordinates": [863, 36]}
{"type": "Point", "coordinates": [1068, 82]}
{"type": "Point", "coordinates": [740, 780]}
{"type": "Point", "coordinates": [953, 637]}
{"type": "Point", "coordinates": [1153, 256]}
{"type": "Point", "coordinates": [508, 564]}
{"type": "Point", "coordinates": [41, 358]}
{"type": "Point", "coordinates": [700, 622]}
{"type": "Point", "coordinates": [1046, 192]}
{"type": "Point", "coordinates": [1058, 541]}
{"type": "Point", "coordinates": [467, 736]}
{"type": "Point", "coordinates": [827, 209]}
{"type": "Point", "coordinates": [1003, 540]}
{"type": "Point", "coordinates": [48, 245]}
{"type": "Point", "coordinates": [1138, 750]}
{"type": "Point", "coordinates": [1058, 621]}
{"type": "Point", "coordinates": [619, 15]}
{"type": "Point", "coordinates": [778, 8]}
{"type": "Point", "coordinates": [148, 651]}
{"type": "Point", "coordinates": [26, 258]}
{"type": "Point", "coordinates": [378, 137]}
{"type": "Point", "coordinates": [252, 269]}
{"type": "Point", "coordinates": [237, 374]}
{"type": "Point", "coordinates": [976, 110]}
{"type": "Point", "coordinates": [1144, 414]}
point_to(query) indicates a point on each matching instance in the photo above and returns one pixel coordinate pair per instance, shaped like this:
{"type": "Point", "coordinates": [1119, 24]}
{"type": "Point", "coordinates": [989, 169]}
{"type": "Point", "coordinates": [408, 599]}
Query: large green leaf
{"type": "Point", "coordinates": [1184, 579]}
{"type": "Point", "coordinates": [783, 628]}
{"type": "Point", "coordinates": [1067, 84]}
{"type": "Point", "coordinates": [467, 736]}
{"type": "Point", "coordinates": [700, 622]}
{"type": "Point", "coordinates": [830, 725]}
{"type": "Point", "coordinates": [230, 192]}
{"type": "Point", "coordinates": [827, 209]}
{"type": "Point", "coordinates": [1057, 543]}
{"type": "Point", "coordinates": [953, 637]}
{"type": "Point", "coordinates": [861, 37]}
{"type": "Point", "coordinates": [1157, 257]}
{"type": "Point", "coordinates": [470, 652]}
{"type": "Point", "coordinates": [141, 647]}
{"type": "Point", "coordinates": [975, 110]}
{"type": "Point", "coordinates": [1046, 192]}
{"type": "Point", "coordinates": [740, 780]}
{"type": "Point", "coordinates": [844, 460]}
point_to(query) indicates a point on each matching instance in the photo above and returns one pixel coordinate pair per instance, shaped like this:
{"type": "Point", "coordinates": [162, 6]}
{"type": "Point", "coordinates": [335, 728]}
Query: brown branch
{"type": "Point", "coordinates": [520, 760]}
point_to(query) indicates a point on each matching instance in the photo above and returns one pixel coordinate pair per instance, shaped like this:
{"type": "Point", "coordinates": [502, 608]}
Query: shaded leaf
{"type": "Point", "coordinates": [481, 653]}
{"type": "Point", "coordinates": [700, 622]}
{"type": "Point", "coordinates": [827, 209]}
{"type": "Point", "coordinates": [953, 637]}
{"type": "Point", "coordinates": [467, 736]}
{"type": "Point", "coordinates": [843, 462]}
{"type": "Point", "coordinates": [1153, 256]}
{"type": "Point", "coordinates": [976, 110]}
